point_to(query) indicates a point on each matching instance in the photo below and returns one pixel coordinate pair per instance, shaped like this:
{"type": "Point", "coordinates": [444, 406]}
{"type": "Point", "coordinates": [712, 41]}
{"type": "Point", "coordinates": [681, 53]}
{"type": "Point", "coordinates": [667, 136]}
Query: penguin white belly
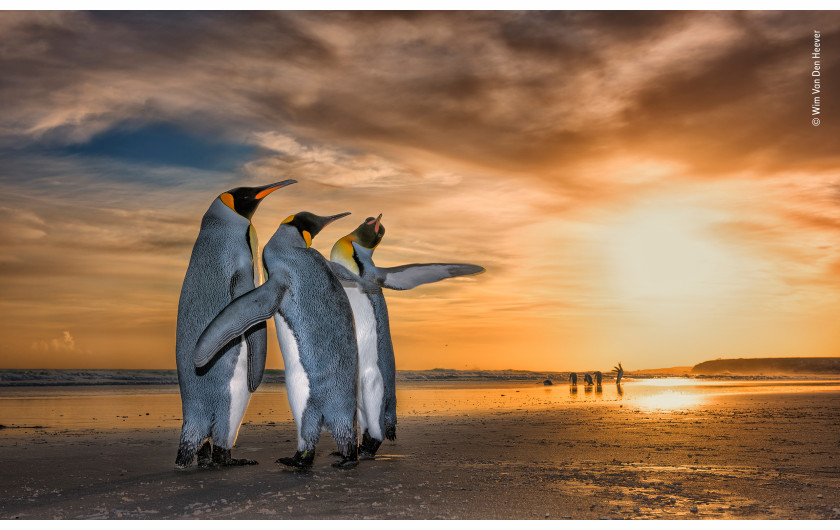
{"type": "Point", "coordinates": [297, 382]}
{"type": "Point", "coordinates": [371, 388]}
{"type": "Point", "coordinates": [239, 394]}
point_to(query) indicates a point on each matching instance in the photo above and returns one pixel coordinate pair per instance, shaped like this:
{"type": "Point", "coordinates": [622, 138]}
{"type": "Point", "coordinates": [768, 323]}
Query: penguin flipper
{"type": "Point", "coordinates": [235, 319]}
{"type": "Point", "coordinates": [257, 345]}
{"type": "Point", "coordinates": [410, 276]}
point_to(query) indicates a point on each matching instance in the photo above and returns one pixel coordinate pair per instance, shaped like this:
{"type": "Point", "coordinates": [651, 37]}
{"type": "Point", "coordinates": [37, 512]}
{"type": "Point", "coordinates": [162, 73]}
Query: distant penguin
{"type": "Point", "coordinates": [223, 265]}
{"type": "Point", "coordinates": [573, 379]}
{"type": "Point", "coordinates": [598, 378]}
{"type": "Point", "coordinates": [315, 330]}
{"type": "Point", "coordinates": [619, 374]}
{"type": "Point", "coordinates": [352, 259]}
{"type": "Point", "coordinates": [587, 379]}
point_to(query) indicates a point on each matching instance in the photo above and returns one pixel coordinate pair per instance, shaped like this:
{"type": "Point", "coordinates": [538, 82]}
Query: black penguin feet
{"type": "Point", "coordinates": [300, 460]}
{"type": "Point", "coordinates": [240, 462]}
{"type": "Point", "coordinates": [368, 447]}
{"type": "Point", "coordinates": [221, 457]}
{"type": "Point", "coordinates": [346, 463]}
{"type": "Point", "coordinates": [391, 432]}
{"type": "Point", "coordinates": [349, 457]}
{"type": "Point", "coordinates": [188, 451]}
{"type": "Point", "coordinates": [205, 455]}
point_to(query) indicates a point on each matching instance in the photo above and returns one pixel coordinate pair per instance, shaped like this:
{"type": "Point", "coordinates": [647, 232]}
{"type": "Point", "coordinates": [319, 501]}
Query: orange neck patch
{"type": "Point", "coordinates": [227, 198]}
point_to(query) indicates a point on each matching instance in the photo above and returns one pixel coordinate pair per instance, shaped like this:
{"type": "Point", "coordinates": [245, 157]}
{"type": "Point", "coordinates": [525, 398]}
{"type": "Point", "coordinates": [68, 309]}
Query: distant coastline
{"type": "Point", "coordinates": [769, 368]}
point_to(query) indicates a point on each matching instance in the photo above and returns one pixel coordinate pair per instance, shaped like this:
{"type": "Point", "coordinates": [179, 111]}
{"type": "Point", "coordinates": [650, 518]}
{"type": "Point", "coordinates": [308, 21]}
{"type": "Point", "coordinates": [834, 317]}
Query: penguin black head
{"type": "Point", "coordinates": [308, 224]}
{"type": "Point", "coordinates": [244, 201]}
{"type": "Point", "coordinates": [368, 235]}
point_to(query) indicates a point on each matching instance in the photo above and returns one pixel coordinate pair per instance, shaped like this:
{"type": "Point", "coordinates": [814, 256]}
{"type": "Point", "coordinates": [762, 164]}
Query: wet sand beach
{"type": "Point", "coordinates": [660, 450]}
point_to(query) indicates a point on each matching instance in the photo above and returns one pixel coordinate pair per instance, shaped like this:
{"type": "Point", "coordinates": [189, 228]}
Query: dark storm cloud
{"type": "Point", "coordinates": [513, 90]}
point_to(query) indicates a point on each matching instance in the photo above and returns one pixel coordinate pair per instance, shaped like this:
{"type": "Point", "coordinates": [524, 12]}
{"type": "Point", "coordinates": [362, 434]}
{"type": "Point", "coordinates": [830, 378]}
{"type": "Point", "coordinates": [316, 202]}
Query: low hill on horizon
{"type": "Point", "coordinates": [769, 366]}
{"type": "Point", "coordinates": [674, 370]}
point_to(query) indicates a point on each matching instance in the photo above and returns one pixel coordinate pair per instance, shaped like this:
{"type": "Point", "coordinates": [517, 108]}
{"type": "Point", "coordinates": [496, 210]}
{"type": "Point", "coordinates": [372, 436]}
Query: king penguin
{"type": "Point", "coordinates": [223, 266]}
{"type": "Point", "coordinates": [316, 333]}
{"type": "Point", "coordinates": [352, 260]}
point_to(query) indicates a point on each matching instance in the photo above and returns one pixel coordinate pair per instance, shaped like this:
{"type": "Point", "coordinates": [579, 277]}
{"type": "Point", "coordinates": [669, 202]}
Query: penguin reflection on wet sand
{"type": "Point", "coordinates": [315, 330]}
{"type": "Point", "coordinates": [223, 266]}
{"type": "Point", "coordinates": [352, 260]}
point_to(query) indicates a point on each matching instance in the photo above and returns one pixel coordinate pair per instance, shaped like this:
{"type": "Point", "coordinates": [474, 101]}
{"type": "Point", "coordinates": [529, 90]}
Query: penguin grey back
{"type": "Point", "coordinates": [221, 267]}
{"type": "Point", "coordinates": [319, 315]}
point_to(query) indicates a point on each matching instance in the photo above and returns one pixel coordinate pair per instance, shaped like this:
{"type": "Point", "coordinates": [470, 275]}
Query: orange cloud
{"type": "Point", "coordinates": [642, 186]}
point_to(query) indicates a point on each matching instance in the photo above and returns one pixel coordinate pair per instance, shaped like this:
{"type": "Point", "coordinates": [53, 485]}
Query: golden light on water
{"type": "Point", "coordinates": [668, 394]}
{"type": "Point", "coordinates": [669, 400]}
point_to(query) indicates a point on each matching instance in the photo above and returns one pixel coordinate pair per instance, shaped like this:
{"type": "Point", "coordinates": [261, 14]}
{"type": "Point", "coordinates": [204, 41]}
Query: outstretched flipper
{"type": "Point", "coordinates": [410, 276]}
{"type": "Point", "coordinates": [235, 319]}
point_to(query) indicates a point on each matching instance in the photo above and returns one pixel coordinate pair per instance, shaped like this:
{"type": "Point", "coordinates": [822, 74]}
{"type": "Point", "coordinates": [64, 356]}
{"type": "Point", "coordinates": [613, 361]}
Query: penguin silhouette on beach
{"type": "Point", "coordinates": [352, 260]}
{"type": "Point", "coordinates": [316, 333]}
{"type": "Point", "coordinates": [224, 265]}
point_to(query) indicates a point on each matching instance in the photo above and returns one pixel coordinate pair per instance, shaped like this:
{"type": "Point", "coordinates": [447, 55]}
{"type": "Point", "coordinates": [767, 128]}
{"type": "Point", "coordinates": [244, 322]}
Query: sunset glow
{"type": "Point", "coordinates": [643, 187]}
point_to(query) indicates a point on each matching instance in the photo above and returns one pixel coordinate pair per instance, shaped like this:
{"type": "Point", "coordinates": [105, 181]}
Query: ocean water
{"type": "Point", "coordinates": [103, 407]}
{"type": "Point", "coordinates": [45, 377]}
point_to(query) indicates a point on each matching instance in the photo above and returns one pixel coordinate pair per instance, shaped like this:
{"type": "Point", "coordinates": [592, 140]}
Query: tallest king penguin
{"type": "Point", "coordinates": [224, 265]}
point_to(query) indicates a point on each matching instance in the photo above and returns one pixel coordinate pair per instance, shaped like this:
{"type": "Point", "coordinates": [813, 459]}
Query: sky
{"type": "Point", "coordinates": [644, 187]}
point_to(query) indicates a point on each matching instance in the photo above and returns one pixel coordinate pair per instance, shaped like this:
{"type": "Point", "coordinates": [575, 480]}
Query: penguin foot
{"type": "Point", "coordinates": [205, 455]}
{"type": "Point", "coordinates": [240, 462]}
{"type": "Point", "coordinates": [346, 463]}
{"type": "Point", "coordinates": [349, 457]}
{"type": "Point", "coordinates": [221, 458]}
{"type": "Point", "coordinates": [368, 447]}
{"type": "Point", "coordinates": [187, 452]}
{"type": "Point", "coordinates": [300, 460]}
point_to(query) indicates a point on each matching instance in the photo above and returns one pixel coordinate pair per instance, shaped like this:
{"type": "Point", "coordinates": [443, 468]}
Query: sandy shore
{"type": "Point", "coordinates": [761, 456]}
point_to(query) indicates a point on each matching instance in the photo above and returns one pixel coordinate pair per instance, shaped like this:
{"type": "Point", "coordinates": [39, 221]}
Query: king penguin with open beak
{"type": "Point", "coordinates": [224, 265]}
{"type": "Point", "coordinates": [315, 330]}
{"type": "Point", "coordinates": [352, 261]}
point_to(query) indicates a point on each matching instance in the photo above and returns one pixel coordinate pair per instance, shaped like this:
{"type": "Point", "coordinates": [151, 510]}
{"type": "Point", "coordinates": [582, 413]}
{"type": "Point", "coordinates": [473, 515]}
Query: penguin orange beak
{"type": "Point", "coordinates": [273, 187]}
{"type": "Point", "coordinates": [376, 226]}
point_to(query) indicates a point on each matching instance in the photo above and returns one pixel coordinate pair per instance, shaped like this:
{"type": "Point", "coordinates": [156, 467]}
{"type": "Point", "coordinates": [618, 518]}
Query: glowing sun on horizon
{"type": "Point", "coordinates": [668, 254]}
